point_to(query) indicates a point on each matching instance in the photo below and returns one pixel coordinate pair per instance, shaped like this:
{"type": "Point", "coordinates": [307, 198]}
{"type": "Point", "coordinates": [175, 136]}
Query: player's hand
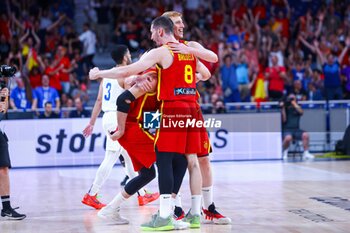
{"type": "Point", "coordinates": [115, 135]}
{"type": "Point", "coordinates": [88, 130]}
{"type": "Point", "coordinates": [93, 73]}
{"type": "Point", "coordinates": [129, 81]}
{"type": "Point", "coordinates": [179, 48]}
{"type": "Point", "coordinates": [146, 84]}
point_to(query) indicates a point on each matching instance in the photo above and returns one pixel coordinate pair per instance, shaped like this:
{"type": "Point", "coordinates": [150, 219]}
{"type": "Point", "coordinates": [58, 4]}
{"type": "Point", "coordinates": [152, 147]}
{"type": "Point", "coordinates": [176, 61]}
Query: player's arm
{"type": "Point", "coordinates": [148, 60]}
{"type": "Point", "coordinates": [95, 112]}
{"type": "Point", "coordinates": [128, 96]}
{"type": "Point", "coordinates": [196, 49]}
{"type": "Point", "coordinates": [203, 72]}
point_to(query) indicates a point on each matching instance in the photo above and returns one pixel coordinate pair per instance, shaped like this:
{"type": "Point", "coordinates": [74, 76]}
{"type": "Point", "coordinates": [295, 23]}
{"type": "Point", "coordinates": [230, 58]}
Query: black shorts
{"type": "Point", "coordinates": [4, 151]}
{"type": "Point", "coordinates": [295, 133]}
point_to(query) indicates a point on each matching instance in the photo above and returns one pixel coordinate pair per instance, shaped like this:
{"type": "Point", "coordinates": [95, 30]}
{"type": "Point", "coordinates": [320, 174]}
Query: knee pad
{"type": "Point", "coordinates": [124, 100]}
{"type": "Point", "coordinates": [148, 173]}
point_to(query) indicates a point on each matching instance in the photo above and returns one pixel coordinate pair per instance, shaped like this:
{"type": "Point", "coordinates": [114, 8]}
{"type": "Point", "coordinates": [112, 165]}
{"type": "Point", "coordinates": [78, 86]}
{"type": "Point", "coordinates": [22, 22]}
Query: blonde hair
{"type": "Point", "coordinates": [170, 14]}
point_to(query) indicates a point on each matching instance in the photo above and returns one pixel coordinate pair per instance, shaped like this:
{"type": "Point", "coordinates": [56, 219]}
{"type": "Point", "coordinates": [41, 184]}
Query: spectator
{"type": "Point", "coordinates": [64, 66]}
{"type": "Point", "coordinates": [331, 70]}
{"type": "Point", "coordinates": [46, 93]}
{"type": "Point", "coordinates": [242, 74]}
{"type": "Point", "coordinates": [79, 112]}
{"type": "Point", "coordinates": [48, 113]}
{"type": "Point", "coordinates": [219, 107]}
{"type": "Point", "coordinates": [5, 48]}
{"type": "Point", "coordinates": [346, 72]}
{"type": "Point", "coordinates": [298, 91]}
{"type": "Point", "coordinates": [276, 75]}
{"type": "Point", "coordinates": [229, 81]}
{"type": "Point", "coordinates": [291, 113]}
{"type": "Point", "coordinates": [23, 97]}
{"type": "Point", "coordinates": [88, 38]}
{"type": "Point", "coordinates": [313, 93]}
{"type": "Point", "coordinates": [68, 108]}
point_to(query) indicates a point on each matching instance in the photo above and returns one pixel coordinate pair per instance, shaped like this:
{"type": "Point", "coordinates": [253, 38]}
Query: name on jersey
{"type": "Point", "coordinates": [185, 57]}
{"type": "Point", "coordinates": [184, 91]}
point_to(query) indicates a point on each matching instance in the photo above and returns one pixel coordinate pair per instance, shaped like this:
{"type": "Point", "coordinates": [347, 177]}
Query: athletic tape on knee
{"type": "Point", "coordinates": [124, 101]}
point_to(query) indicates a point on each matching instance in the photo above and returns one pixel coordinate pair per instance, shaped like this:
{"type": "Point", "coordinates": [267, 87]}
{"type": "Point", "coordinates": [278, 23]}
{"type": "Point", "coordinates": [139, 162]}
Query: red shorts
{"type": "Point", "coordinates": [178, 132]}
{"type": "Point", "coordinates": [139, 145]}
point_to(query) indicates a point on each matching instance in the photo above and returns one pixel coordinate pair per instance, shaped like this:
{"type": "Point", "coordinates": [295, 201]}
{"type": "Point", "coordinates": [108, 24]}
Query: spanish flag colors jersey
{"type": "Point", "coordinates": [178, 82]}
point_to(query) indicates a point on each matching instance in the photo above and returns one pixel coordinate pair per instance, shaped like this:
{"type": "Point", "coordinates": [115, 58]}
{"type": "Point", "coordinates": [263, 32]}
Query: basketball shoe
{"type": "Point", "coordinates": [158, 223]}
{"type": "Point", "coordinates": [211, 215]}
{"type": "Point", "coordinates": [92, 201]}
{"type": "Point", "coordinates": [179, 214]}
{"type": "Point", "coordinates": [11, 214]}
{"type": "Point", "coordinates": [110, 213]}
{"type": "Point", "coordinates": [193, 220]}
{"type": "Point", "coordinates": [147, 198]}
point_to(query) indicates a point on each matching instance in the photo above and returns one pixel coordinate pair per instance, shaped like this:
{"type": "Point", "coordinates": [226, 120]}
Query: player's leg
{"type": "Point", "coordinates": [210, 214]}
{"type": "Point", "coordinates": [101, 176]}
{"type": "Point", "coordinates": [163, 219]}
{"type": "Point", "coordinates": [112, 210]}
{"type": "Point", "coordinates": [7, 211]}
{"type": "Point", "coordinates": [193, 216]}
{"type": "Point", "coordinates": [180, 166]}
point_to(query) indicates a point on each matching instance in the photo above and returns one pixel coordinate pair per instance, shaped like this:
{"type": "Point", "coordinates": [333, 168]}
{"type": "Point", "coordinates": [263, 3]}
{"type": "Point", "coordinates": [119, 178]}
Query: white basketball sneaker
{"type": "Point", "coordinates": [308, 155]}
{"type": "Point", "coordinates": [110, 213]}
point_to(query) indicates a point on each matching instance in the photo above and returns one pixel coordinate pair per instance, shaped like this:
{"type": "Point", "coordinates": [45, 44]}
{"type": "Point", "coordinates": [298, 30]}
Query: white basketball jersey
{"type": "Point", "coordinates": [110, 94]}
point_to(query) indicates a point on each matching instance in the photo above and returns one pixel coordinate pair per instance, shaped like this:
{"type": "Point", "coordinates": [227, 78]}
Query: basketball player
{"type": "Point", "coordinates": [170, 153]}
{"type": "Point", "coordinates": [140, 147]}
{"type": "Point", "coordinates": [211, 215]}
{"type": "Point", "coordinates": [109, 91]}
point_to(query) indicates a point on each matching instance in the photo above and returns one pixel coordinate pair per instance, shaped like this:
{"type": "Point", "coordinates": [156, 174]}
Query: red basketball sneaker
{"type": "Point", "coordinates": [147, 198]}
{"type": "Point", "coordinates": [212, 216]}
{"type": "Point", "coordinates": [92, 201]}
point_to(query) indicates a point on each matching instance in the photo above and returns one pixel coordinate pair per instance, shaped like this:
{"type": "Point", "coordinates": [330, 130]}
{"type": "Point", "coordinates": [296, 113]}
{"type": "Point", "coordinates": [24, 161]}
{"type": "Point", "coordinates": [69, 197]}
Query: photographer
{"type": "Point", "coordinates": [291, 113]}
{"type": "Point", "coordinates": [5, 163]}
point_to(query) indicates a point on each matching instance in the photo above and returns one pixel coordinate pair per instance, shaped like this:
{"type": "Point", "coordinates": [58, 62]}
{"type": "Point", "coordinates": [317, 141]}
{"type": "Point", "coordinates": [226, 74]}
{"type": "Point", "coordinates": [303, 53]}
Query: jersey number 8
{"type": "Point", "coordinates": [188, 74]}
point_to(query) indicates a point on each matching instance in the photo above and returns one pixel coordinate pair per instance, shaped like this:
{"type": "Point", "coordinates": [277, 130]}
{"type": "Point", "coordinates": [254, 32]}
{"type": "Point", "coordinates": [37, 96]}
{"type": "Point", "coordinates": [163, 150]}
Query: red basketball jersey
{"type": "Point", "coordinates": [178, 82]}
{"type": "Point", "coordinates": [147, 102]}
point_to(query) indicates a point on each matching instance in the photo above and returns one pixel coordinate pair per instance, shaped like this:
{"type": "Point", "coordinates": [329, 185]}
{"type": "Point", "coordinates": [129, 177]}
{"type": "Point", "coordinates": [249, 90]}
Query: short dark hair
{"type": "Point", "coordinates": [47, 103]}
{"type": "Point", "coordinates": [118, 53]}
{"type": "Point", "coordinates": [165, 23]}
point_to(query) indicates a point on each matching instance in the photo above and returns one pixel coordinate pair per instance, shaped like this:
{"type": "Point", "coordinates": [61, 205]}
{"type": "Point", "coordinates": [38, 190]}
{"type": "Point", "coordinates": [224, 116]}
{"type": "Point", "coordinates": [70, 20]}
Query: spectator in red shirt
{"type": "Point", "coordinates": [52, 71]}
{"type": "Point", "coordinates": [276, 75]}
{"type": "Point", "coordinates": [64, 67]}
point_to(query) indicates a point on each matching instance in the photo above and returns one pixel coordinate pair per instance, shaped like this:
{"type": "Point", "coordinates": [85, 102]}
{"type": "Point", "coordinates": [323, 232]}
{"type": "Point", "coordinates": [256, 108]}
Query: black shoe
{"type": "Point", "coordinates": [11, 214]}
{"type": "Point", "coordinates": [123, 183]}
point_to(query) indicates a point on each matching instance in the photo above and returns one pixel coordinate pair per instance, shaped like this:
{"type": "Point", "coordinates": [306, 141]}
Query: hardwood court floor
{"type": "Point", "coordinates": [257, 196]}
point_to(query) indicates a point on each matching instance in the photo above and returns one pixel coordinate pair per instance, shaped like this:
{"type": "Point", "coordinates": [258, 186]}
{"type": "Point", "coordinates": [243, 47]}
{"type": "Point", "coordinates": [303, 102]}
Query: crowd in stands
{"type": "Point", "coordinates": [267, 48]}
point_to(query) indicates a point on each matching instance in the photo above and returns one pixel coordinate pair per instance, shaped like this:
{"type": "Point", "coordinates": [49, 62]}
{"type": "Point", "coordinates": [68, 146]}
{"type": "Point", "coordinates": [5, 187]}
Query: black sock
{"type": "Point", "coordinates": [6, 202]}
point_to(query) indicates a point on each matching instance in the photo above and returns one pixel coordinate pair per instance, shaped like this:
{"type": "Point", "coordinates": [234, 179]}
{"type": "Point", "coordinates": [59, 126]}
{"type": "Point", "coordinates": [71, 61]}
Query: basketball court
{"type": "Point", "coordinates": [270, 196]}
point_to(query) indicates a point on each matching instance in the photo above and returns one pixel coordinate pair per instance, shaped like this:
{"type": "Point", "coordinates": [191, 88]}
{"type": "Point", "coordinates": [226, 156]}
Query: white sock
{"type": "Point", "coordinates": [103, 171]}
{"type": "Point", "coordinates": [173, 201]}
{"type": "Point", "coordinates": [178, 200]}
{"type": "Point", "coordinates": [141, 192]}
{"type": "Point", "coordinates": [129, 168]}
{"type": "Point", "coordinates": [165, 205]}
{"type": "Point", "coordinates": [117, 201]}
{"type": "Point", "coordinates": [196, 201]}
{"type": "Point", "coordinates": [207, 193]}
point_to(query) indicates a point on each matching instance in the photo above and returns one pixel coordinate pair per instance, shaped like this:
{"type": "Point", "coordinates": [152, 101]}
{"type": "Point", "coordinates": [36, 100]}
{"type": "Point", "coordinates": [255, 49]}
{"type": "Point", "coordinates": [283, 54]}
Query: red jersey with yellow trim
{"type": "Point", "coordinates": [178, 81]}
{"type": "Point", "coordinates": [147, 102]}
